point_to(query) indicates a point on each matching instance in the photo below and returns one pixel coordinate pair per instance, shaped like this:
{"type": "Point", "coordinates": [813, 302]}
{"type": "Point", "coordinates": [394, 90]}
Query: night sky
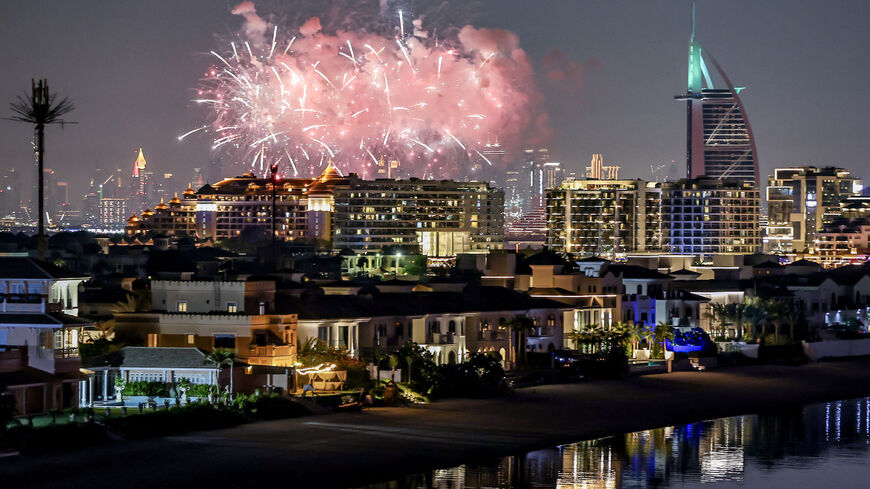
{"type": "Point", "coordinates": [131, 68]}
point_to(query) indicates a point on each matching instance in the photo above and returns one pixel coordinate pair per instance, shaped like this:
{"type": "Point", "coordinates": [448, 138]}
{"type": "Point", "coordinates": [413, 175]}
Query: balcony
{"type": "Point", "coordinates": [493, 335]}
{"type": "Point", "coordinates": [273, 355]}
{"type": "Point", "coordinates": [441, 339]}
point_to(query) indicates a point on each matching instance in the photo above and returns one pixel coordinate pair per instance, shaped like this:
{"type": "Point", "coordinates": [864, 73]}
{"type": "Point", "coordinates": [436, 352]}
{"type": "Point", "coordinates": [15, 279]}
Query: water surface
{"type": "Point", "coordinates": [817, 446]}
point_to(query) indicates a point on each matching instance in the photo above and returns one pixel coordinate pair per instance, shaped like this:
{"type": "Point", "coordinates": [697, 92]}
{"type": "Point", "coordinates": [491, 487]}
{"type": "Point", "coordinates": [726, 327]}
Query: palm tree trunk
{"type": "Point", "coordinates": [231, 379]}
{"type": "Point", "coordinates": [40, 155]}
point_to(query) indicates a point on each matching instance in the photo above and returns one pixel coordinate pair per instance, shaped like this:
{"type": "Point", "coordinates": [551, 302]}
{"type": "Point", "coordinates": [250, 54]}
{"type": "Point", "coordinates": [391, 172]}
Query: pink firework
{"type": "Point", "coordinates": [355, 98]}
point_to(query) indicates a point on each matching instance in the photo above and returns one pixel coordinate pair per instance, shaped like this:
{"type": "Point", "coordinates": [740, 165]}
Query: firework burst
{"type": "Point", "coordinates": [303, 96]}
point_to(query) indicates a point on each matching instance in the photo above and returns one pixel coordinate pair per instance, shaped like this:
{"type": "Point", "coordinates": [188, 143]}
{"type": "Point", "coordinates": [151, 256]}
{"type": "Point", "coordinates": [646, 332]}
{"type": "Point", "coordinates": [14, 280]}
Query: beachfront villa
{"type": "Point", "coordinates": [143, 364]}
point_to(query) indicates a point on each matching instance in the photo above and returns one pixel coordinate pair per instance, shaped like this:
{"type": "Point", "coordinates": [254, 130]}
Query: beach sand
{"type": "Point", "coordinates": [353, 449]}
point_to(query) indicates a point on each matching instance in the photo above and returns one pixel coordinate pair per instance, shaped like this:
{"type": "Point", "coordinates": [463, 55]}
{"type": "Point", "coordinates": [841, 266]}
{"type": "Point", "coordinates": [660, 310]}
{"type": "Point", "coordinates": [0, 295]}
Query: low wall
{"type": "Point", "coordinates": [836, 348]}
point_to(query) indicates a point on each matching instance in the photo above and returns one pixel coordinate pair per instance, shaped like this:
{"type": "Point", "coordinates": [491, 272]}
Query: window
{"type": "Point", "coordinates": [262, 308]}
{"type": "Point", "coordinates": [152, 340]}
{"type": "Point", "coordinates": [181, 306]}
{"type": "Point", "coordinates": [16, 288]}
{"type": "Point", "coordinates": [225, 341]}
{"type": "Point", "coordinates": [191, 339]}
{"type": "Point", "coordinates": [323, 334]}
{"type": "Point", "coordinates": [451, 327]}
{"type": "Point", "coordinates": [400, 329]}
{"type": "Point", "coordinates": [343, 336]}
{"type": "Point", "coordinates": [232, 307]}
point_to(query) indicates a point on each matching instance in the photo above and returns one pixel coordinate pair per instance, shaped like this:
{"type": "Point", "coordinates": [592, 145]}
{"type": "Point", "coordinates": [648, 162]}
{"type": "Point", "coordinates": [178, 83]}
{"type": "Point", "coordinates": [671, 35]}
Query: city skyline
{"type": "Point", "coordinates": [151, 112]}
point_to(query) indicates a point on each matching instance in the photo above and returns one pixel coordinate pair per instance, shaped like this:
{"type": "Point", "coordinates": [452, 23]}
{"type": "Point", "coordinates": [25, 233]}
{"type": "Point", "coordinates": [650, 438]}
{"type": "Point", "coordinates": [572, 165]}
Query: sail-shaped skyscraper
{"type": "Point", "coordinates": [720, 143]}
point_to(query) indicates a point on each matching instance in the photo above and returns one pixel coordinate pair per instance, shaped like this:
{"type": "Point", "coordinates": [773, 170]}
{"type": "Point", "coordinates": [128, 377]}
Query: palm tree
{"type": "Point", "coordinates": [778, 312]}
{"type": "Point", "coordinates": [755, 314]}
{"type": "Point", "coordinates": [40, 108]}
{"type": "Point", "coordinates": [520, 326]}
{"type": "Point", "coordinates": [663, 332]}
{"type": "Point", "coordinates": [718, 313]}
{"type": "Point", "coordinates": [736, 314]}
{"type": "Point", "coordinates": [795, 317]}
{"type": "Point", "coordinates": [224, 357]}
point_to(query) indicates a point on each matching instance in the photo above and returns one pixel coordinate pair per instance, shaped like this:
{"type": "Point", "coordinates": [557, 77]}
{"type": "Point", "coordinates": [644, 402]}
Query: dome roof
{"type": "Point", "coordinates": [161, 206]}
{"type": "Point", "coordinates": [147, 212]}
{"type": "Point", "coordinates": [133, 219]}
{"type": "Point", "coordinates": [187, 193]}
{"type": "Point", "coordinates": [318, 188]}
{"type": "Point", "coordinates": [175, 200]}
{"type": "Point", "coordinates": [330, 173]}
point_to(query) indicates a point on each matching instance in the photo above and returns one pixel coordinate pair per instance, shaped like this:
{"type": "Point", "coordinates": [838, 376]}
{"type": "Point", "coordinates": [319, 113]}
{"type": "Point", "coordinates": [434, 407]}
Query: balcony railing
{"type": "Point", "coordinates": [493, 335]}
{"type": "Point", "coordinates": [66, 353]}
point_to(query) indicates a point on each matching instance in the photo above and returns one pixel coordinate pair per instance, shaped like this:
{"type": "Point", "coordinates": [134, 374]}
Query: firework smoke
{"type": "Point", "coordinates": [304, 96]}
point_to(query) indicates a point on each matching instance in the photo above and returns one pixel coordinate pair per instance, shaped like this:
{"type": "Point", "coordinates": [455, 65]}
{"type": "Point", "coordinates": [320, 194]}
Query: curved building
{"type": "Point", "coordinates": [720, 142]}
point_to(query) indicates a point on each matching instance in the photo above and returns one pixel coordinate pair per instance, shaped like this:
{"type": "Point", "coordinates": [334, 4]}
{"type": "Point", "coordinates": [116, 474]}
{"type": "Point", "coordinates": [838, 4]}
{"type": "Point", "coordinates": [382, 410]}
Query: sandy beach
{"type": "Point", "coordinates": [351, 450]}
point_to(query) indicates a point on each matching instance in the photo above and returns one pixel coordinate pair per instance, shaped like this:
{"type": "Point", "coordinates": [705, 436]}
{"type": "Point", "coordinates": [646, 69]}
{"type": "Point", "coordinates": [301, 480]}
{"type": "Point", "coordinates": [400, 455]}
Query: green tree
{"type": "Point", "coordinates": [662, 333]}
{"type": "Point", "coordinates": [224, 357]}
{"type": "Point", "coordinates": [777, 312]}
{"type": "Point", "coordinates": [718, 313]}
{"type": "Point", "coordinates": [755, 314]}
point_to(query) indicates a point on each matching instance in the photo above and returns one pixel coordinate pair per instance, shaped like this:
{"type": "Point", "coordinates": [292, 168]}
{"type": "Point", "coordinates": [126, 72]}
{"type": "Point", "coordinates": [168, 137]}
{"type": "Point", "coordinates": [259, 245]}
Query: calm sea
{"type": "Point", "coordinates": [818, 446]}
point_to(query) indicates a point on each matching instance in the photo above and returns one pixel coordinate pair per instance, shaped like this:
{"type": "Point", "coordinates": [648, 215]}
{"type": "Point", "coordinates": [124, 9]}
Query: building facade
{"type": "Point", "coordinates": [443, 218]}
{"type": "Point", "coordinates": [801, 201]}
{"type": "Point", "coordinates": [709, 216]}
{"type": "Point", "coordinates": [604, 217]}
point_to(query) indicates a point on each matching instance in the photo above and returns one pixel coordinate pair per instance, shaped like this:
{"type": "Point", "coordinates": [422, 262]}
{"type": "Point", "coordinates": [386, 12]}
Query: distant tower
{"type": "Point", "coordinates": [140, 184]}
{"type": "Point", "coordinates": [719, 140]}
{"type": "Point", "coordinates": [597, 171]}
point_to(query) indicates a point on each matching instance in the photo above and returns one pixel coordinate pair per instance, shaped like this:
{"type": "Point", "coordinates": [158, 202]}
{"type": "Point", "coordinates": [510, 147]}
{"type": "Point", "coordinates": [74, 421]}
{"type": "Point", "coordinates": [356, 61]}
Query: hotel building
{"type": "Point", "coordinates": [604, 217]}
{"type": "Point", "coordinates": [709, 216]}
{"type": "Point", "coordinates": [800, 201]}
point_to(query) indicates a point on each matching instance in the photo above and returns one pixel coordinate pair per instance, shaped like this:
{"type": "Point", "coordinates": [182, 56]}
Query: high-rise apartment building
{"type": "Point", "coordinates": [443, 217]}
{"type": "Point", "coordinates": [801, 200]}
{"type": "Point", "coordinates": [719, 139]}
{"type": "Point", "coordinates": [113, 213]}
{"type": "Point", "coordinates": [710, 216]}
{"type": "Point", "coordinates": [513, 198]}
{"type": "Point", "coordinates": [604, 217]}
{"type": "Point", "coordinates": [532, 178]}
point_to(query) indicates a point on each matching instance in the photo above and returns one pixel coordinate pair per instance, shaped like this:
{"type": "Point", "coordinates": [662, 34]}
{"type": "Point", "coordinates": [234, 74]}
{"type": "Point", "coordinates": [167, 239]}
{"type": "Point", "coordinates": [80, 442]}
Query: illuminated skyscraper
{"type": "Point", "coordinates": [720, 143]}
{"type": "Point", "coordinates": [532, 178]}
{"type": "Point", "coordinates": [140, 183]}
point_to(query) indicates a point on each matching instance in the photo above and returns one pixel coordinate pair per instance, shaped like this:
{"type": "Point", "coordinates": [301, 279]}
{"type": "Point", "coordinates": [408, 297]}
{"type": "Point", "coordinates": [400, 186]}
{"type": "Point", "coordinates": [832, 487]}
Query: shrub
{"type": "Point", "coordinates": [200, 390]}
{"type": "Point", "coordinates": [145, 388]}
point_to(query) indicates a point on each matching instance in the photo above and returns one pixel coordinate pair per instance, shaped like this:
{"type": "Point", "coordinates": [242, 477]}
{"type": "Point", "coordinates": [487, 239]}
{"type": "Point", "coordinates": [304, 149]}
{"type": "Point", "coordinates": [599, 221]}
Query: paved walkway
{"type": "Point", "coordinates": [350, 449]}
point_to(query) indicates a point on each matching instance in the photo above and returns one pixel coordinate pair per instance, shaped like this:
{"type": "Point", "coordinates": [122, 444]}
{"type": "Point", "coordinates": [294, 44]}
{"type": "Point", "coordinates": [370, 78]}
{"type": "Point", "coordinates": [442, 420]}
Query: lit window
{"type": "Point", "coordinates": [191, 339]}
{"type": "Point", "coordinates": [181, 306]}
{"type": "Point", "coordinates": [232, 307]}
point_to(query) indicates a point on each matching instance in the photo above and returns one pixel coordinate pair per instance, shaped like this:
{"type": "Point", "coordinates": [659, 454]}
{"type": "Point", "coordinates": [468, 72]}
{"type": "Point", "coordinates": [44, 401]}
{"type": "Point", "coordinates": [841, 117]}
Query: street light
{"type": "Point", "coordinates": [398, 255]}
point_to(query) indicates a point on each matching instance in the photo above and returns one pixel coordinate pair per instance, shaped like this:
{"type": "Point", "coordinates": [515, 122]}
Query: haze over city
{"type": "Point", "coordinates": [132, 70]}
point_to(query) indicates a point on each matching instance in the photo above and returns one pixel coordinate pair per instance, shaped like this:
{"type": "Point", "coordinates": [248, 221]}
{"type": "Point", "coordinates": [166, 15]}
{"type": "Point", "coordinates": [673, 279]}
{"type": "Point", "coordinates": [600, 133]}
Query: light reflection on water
{"type": "Point", "coordinates": [822, 445]}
